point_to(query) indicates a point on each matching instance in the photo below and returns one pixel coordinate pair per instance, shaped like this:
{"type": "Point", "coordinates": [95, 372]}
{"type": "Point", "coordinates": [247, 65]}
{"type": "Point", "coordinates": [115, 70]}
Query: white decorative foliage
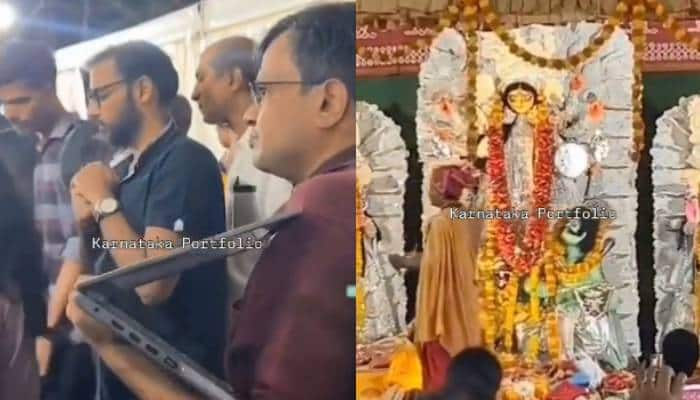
{"type": "Point", "coordinates": [383, 150]}
{"type": "Point", "coordinates": [675, 171]}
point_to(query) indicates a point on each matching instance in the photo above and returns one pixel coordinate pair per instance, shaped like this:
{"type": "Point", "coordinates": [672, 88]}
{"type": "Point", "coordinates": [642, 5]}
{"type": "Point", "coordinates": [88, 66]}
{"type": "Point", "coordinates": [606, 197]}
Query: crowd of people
{"type": "Point", "coordinates": [275, 323]}
{"type": "Point", "coordinates": [475, 373]}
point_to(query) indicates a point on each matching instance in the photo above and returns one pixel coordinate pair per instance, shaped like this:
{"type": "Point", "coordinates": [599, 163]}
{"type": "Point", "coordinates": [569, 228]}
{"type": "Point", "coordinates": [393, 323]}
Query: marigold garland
{"type": "Point", "coordinates": [571, 274]}
{"type": "Point", "coordinates": [521, 259]}
{"type": "Point", "coordinates": [359, 266]}
{"type": "Point", "coordinates": [669, 22]}
{"type": "Point", "coordinates": [486, 271]}
{"type": "Point", "coordinates": [493, 21]}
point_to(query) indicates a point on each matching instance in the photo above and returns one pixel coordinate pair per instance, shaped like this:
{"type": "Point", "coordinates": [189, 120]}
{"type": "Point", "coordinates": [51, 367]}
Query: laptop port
{"type": "Point", "coordinates": [170, 363]}
{"type": "Point", "coordinates": [151, 349]}
{"type": "Point", "coordinates": [133, 337]}
{"type": "Point", "coordinates": [117, 325]}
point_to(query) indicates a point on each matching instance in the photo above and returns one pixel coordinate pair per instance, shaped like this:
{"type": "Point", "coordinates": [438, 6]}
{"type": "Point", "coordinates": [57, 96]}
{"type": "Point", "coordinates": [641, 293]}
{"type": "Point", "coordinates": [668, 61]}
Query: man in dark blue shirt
{"type": "Point", "coordinates": [163, 187]}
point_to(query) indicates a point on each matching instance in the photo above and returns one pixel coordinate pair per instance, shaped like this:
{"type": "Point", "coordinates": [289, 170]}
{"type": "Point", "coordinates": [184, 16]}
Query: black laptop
{"type": "Point", "coordinates": [100, 297]}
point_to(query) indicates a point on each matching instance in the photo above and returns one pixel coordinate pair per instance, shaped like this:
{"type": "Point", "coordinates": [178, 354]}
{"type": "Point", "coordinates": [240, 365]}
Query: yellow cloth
{"type": "Point", "coordinates": [405, 372]}
{"type": "Point", "coordinates": [447, 307]}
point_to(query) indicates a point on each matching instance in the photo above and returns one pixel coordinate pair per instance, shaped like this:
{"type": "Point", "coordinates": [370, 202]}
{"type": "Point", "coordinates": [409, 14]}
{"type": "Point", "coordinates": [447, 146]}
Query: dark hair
{"type": "Point", "coordinates": [515, 86]}
{"type": "Point", "coordinates": [21, 274]}
{"type": "Point", "coordinates": [29, 62]}
{"type": "Point", "coordinates": [323, 40]}
{"type": "Point", "coordinates": [236, 52]}
{"type": "Point", "coordinates": [680, 351]}
{"type": "Point", "coordinates": [136, 59]}
{"type": "Point", "coordinates": [588, 225]}
{"type": "Point", "coordinates": [181, 112]}
{"type": "Point", "coordinates": [474, 374]}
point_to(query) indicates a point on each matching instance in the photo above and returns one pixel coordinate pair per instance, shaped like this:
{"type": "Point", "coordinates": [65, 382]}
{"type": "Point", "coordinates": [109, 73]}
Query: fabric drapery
{"type": "Point", "coordinates": [447, 308]}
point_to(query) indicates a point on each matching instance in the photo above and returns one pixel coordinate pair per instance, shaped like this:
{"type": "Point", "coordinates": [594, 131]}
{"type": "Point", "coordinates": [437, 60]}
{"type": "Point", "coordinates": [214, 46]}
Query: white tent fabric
{"type": "Point", "coordinates": [183, 34]}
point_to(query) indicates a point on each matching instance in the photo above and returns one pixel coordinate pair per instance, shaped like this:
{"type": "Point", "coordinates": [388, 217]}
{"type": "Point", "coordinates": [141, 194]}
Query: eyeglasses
{"type": "Point", "coordinates": [98, 95]}
{"type": "Point", "coordinates": [258, 89]}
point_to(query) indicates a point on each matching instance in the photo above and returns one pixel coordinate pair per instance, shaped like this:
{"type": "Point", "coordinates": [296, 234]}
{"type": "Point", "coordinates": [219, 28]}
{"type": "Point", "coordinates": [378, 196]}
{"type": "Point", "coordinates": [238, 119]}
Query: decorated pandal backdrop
{"type": "Point", "coordinates": [552, 207]}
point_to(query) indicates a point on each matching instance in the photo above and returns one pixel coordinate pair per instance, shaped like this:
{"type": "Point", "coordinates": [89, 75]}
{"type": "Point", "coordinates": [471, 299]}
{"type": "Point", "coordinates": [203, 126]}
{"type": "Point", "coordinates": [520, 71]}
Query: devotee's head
{"type": "Point", "coordinates": [680, 351]}
{"type": "Point", "coordinates": [304, 92]}
{"type": "Point", "coordinates": [28, 86]}
{"type": "Point", "coordinates": [225, 71]}
{"type": "Point", "coordinates": [130, 84]}
{"type": "Point", "coordinates": [474, 374]}
{"type": "Point", "coordinates": [181, 112]}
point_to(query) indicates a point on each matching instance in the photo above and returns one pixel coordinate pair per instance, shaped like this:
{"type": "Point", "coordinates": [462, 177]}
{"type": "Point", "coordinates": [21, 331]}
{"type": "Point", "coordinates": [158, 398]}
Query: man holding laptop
{"type": "Point", "coordinates": [295, 333]}
{"type": "Point", "coordinates": [162, 188]}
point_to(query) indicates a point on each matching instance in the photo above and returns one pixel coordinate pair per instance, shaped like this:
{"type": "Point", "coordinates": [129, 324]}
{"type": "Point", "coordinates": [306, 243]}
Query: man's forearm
{"type": "Point", "coordinates": [116, 227]}
{"type": "Point", "coordinates": [67, 276]}
{"type": "Point", "coordinates": [146, 379]}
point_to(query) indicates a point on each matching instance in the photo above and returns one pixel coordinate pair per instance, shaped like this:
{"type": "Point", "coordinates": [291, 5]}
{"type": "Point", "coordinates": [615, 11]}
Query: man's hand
{"type": "Point", "coordinates": [658, 383]}
{"type": "Point", "coordinates": [95, 182]}
{"type": "Point", "coordinates": [82, 210]}
{"type": "Point", "coordinates": [94, 331]}
{"type": "Point", "coordinates": [44, 349]}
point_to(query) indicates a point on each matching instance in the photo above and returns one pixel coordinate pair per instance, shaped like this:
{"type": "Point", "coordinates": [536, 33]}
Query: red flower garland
{"type": "Point", "coordinates": [521, 259]}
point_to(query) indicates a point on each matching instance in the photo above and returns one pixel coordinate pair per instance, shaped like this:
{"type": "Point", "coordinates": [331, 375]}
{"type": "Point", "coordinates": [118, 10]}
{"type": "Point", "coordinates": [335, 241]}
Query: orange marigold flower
{"type": "Point", "coordinates": [596, 112]}
{"type": "Point", "coordinates": [578, 83]}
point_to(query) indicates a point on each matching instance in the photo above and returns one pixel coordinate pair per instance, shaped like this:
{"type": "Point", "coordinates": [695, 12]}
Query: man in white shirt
{"type": "Point", "coordinates": [226, 70]}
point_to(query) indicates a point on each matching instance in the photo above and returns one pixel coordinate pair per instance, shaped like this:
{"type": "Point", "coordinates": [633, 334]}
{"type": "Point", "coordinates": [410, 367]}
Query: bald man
{"type": "Point", "coordinates": [226, 70]}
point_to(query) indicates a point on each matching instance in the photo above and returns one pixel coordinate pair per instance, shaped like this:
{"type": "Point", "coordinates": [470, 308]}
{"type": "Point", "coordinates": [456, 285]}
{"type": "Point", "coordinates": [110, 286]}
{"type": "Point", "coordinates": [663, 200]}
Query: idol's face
{"type": "Point", "coordinates": [520, 100]}
{"type": "Point", "coordinates": [574, 225]}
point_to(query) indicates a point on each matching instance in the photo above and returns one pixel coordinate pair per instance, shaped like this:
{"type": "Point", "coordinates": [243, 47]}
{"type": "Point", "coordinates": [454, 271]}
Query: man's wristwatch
{"type": "Point", "coordinates": [105, 208]}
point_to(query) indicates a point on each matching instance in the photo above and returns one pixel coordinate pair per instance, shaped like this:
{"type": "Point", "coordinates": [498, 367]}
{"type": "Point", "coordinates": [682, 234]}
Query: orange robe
{"type": "Point", "coordinates": [447, 307]}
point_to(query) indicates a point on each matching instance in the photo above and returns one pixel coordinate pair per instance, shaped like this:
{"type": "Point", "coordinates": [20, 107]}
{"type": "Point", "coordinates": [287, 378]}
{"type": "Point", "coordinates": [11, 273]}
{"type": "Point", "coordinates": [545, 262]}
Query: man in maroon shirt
{"type": "Point", "coordinates": [294, 334]}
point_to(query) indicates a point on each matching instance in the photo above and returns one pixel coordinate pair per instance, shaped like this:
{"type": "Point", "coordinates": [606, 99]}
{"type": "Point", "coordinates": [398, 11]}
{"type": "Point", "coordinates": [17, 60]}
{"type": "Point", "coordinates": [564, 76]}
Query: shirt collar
{"type": "Point", "coordinates": [60, 130]}
{"type": "Point", "coordinates": [64, 125]}
{"type": "Point", "coordinates": [344, 159]}
{"type": "Point", "coordinates": [134, 158]}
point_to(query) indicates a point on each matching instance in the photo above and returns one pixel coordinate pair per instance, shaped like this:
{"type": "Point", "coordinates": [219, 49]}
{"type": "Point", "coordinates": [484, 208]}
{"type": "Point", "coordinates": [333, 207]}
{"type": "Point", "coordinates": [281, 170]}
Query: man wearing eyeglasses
{"type": "Point", "coordinates": [295, 334]}
{"type": "Point", "coordinates": [226, 69]}
{"type": "Point", "coordinates": [163, 187]}
{"type": "Point", "coordinates": [65, 143]}
{"type": "Point", "coordinates": [303, 123]}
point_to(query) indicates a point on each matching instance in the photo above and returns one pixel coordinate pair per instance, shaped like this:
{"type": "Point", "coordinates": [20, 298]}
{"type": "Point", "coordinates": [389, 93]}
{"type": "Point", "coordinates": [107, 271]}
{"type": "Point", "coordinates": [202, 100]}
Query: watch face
{"type": "Point", "coordinates": [108, 206]}
{"type": "Point", "coordinates": [571, 160]}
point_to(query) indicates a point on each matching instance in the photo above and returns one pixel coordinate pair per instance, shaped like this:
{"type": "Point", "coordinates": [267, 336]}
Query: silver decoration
{"type": "Point", "coordinates": [608, 77]}
{"type": "Point", "coordinates": [385, 296]}
{"type": "Point", "coordinates": [678, 311]}
{"type": "Point", "coordinates": [672, 153]}
{"type": "Point", "coordinates": [598, 204]}
{"type": "Point", "coordinates": [596, 333]}
{"type": "Point", "coordinates": [600, 145]}
{"type": "Point", "coordinates": [571, 160]}
{"type": "Point", "coordinates": [519, 157]}
{"type": "Point", "coordinates": [380, 146]}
